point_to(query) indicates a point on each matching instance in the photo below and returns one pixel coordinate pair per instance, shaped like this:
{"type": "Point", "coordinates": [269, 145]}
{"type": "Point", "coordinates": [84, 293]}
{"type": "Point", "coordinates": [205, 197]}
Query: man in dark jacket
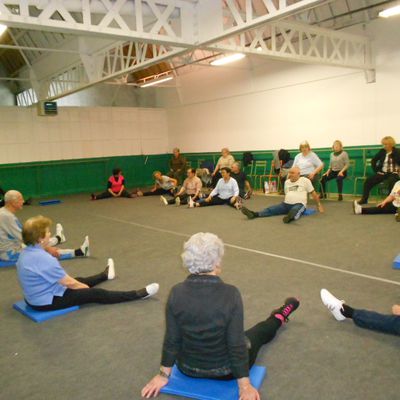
{"type": "Point", "coordinates": [386, 165]}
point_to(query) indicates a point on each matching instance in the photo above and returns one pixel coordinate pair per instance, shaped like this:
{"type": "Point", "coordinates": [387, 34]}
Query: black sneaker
{"type": "Point", "coordinates": [28, 201]}
{"type": "Point", "coordinates": [290, 216]}
{"type": "Point", "coordinates": [248, 213]}
{"type": "Point", "coordinates": [93, 196]}
{"type": "Point", "coordinates": [283, 312]}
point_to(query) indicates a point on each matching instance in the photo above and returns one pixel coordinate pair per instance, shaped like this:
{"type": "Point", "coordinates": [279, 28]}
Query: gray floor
{"type": "Point", "coordinates": [109, 352]}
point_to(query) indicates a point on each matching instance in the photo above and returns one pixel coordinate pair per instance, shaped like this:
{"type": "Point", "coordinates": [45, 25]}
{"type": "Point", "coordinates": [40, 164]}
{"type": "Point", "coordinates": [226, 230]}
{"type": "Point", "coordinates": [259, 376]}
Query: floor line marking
{"type": "Point", "coordinates": [233, 246]}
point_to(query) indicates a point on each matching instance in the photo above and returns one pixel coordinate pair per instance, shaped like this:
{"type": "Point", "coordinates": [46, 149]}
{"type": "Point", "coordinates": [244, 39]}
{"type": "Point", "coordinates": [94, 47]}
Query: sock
{"type": "Point", "coordinates": [347, 311]}
{"type": "Point", "coordinates": [79, 253]}
{"type": "Point", "coordinates": [58, 238]}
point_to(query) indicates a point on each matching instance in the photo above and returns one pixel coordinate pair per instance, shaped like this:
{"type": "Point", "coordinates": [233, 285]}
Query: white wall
{"type": "Point", "coordinates": [257, 104]}
{"type": "Point", "coordinates": [80, 133]}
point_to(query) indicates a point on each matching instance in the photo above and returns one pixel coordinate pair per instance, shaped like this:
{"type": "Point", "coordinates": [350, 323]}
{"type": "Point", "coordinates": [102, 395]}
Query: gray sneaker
{"type": "Point", "coordinates": [248, 213]}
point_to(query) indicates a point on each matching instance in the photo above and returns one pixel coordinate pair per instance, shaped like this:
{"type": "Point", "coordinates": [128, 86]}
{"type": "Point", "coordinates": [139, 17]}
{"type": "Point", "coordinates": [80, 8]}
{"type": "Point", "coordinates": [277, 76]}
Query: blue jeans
{"type": "Point", "coordinates": [377, 322]}
{"type": "Point", "coordinates": [283, 209]}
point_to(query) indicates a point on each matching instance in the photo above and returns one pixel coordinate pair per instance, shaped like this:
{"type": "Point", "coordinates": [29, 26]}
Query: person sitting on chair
{"type": "Point", "coordinates": [240, 176]}
{"type": "Point", "coordinates": [11, 243]}
{"type": "Point", "coordinates": [189, 192]}
{"type": "Point", "coordinates": [391, 205]}
{"type": "Point", "coordinates": [204, 334]}
{"type": "Point", "coordinates": [309, 163]}
{"type": "Point", "coordinates": [177, 165]}
{"type": "Point", "coordinates": [226, 192]}
{"type": "Point", "coordinates": [338, 166]}
{"type": "Point", "coordinates": [297, 189]}
{"type": "Point", "coordinates": [363, 318]}
{"type": "Point", "coordinates": [283, 162]}
{"type": "Point", "coordinates": [45, 284]}
{"type": "Point", "coordinates": [225, 161]}
{"type": "Point", "coordinates": [115, 187]}
{"type": "Point", "coordinates": [386, 165]}
{"type": "Point", "coordinates": [163, 185]}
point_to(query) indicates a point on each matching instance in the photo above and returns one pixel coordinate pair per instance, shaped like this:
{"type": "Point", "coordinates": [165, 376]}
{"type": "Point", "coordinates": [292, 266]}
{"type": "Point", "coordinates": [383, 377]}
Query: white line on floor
{"type": "Point", "coordinates": [264, 253]}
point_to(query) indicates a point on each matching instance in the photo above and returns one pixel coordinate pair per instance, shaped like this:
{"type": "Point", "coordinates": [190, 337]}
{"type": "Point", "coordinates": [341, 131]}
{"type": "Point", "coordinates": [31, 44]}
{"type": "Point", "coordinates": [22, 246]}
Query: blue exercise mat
{"type": "Point", "coordinates": [396, 262]}
{"type": "Point", "coordinates": [209, 389]}
{"type": "Point", "coordinates": [4, 263]}
{"type": "Point", "coordinates": [49, 202]}
{"type": "Point", "coordinates": [40, 316]}
{"type": "Point", "coordinates": [309, 211]}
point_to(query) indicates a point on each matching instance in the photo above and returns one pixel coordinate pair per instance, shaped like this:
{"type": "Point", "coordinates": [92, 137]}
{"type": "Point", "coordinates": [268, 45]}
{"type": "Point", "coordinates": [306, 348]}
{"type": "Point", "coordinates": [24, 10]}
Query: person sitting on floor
{"type": "Point", "coordinates": [363, 318]}
{"type": "Point", "coordinates": [225, 161]}
{"type": "Point", "coordinates": [240, 176]}
{"type": "Point", "coordinates": [226, 192]}
{"type": "Point", "coordinates": [115, 187]}
{"type": "Point", "coordinates": [188, 193]}
{"type": "Point", "coordinates": [177, 165]}
{"type": "Point", "coordinates": [309, 163]}
{"type": "Point", "coordinates": [11, 243]}
{"type": "Point", "coordinates": [297, 189]}
{"type": "Point", "coordinates": [338, 166]}
{"type": "Point", "coordinates": [391, 205]}
{"type": "Point", "coordinates": [163, 185]}
{"type": "Point", "coordinates": [386, 165]}
{"type": "Point", "coordinates": [45, 284]}
{"type": "Point", "coordinates": [204, 334]}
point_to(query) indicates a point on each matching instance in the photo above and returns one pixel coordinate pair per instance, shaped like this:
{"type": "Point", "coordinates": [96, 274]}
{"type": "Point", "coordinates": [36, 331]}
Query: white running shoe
{"type": "Point", "coordinates": [357, 208]}
{"type": "Point", "coordinates": [163, 200]}
{"type": "Point", "coordinates": [111, 269]}
{"type": "Point", "coordinates": [60, 233]}
{"type": "Point", "coordinates": [191, 202]}
{"type": "Point", "coordinates": [85, 247]}
{"type": "Point", "coordinates": [151, 289]}
{"type": "Point", "coordinates": [178, 201]}
{"type": "Point", "coordinates": [333, 304]}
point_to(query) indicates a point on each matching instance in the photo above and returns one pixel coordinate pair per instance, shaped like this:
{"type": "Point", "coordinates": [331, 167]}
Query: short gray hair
{"type": "Point", "coordinates": [202, 253]}
{"type": "Point", "coordinates": [11, 196]}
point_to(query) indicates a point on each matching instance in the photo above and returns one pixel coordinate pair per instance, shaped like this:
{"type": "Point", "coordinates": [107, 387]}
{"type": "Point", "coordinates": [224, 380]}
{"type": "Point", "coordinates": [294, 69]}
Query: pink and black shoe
{"type": "Point", "coordinates": [282, 313]}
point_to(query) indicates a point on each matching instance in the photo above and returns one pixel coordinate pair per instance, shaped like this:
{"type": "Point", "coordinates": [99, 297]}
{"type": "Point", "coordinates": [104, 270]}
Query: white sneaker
{"type": "Point", "coordinates": [178, 201]}
{"type": "Point", "coordinates": [85, 247]}
{"type": "Point", "coordinates": [357, 208]}
{"type": "Point", "coordinates": [164, 200]}
{"type": "Point", "coordinates": [191, 202]}
{"type": "Point", "coordinates": [333, 304]}
{"type": "Point", "coordinates": [111, 269]}
{"type": "Point", "coordinates": [151, 289]}
{"type": "Point", "coordinates": [60, 233]}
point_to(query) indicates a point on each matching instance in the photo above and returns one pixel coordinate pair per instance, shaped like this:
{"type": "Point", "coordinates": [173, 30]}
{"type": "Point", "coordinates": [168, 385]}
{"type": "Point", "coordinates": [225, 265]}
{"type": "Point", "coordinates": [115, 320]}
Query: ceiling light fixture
{"type": "Point", "coordinates": [390, 12]}
{"type": "Point", "coordinates": [3, 28]}
{"type": "Point", "coordinates": [228, 59]}
{"type": "Point", "coordinates": [156, 81]}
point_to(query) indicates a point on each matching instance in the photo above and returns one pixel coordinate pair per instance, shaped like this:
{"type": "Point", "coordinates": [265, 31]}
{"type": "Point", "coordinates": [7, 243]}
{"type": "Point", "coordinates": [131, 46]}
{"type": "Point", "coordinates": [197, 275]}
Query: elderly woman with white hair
{"type": "Point", "coordinates": [309, 163]}
{"type": "Point", "coordinates": [204, 333]}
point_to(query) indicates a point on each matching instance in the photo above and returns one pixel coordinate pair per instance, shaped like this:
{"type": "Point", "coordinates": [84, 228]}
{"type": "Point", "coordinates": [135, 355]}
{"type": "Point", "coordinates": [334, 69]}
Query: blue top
{"type": "Point", "coordinates": [38, 274]}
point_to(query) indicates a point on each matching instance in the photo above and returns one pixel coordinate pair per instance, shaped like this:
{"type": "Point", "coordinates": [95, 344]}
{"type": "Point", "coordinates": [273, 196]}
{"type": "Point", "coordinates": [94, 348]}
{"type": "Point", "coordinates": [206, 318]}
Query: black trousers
{"type": "Point", "coordinates": [216, 201]}
{"type": "Point", "coordinates": [387, 209]}
{"type": "Point", "coordinates": [259, 335]}
{"type": "Point", "coordinates": [158, 192]}
{"type": "Point", "coordinates": [330, 176]}
{"type": "Point", "coordinates": [375, 180]}
{"type": "Point", "coordinates": [215, 179]}
{"type": "Point", "coordinates": [184, 199]}
{"type": "Point", "coordinates": [107, 195]}
{"type": "Point", "coordinates": [76, 297]}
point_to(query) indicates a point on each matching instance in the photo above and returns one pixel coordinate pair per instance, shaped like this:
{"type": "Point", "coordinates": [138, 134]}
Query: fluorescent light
{"type": "Point", "coordinates": [3, 28]}
{"type": "Point", "coordinates": [228, 59]}
{"type": "Point", "coordinates": [390, 12]}
{"type": "Point", "coordinates": [156, 81]}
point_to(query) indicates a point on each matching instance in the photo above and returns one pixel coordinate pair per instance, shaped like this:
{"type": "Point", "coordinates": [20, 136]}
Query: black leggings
{"type": "Point", "coordinates": [76, 297]}
{"type": "Point", "coordinates": [387, 209]}
{"type": "Point", "coordinates": [375, 180]}
{"type": "Point", "coordinates": [183, 197]}
{"type": "Point", "coordinates": [216, 201]}
{"type": "Point", "coordinates": [158, 192]}
{"type": "Point", "coordinates": [107, 195]}
{"type": "Point", "coordinates": [330, 176]}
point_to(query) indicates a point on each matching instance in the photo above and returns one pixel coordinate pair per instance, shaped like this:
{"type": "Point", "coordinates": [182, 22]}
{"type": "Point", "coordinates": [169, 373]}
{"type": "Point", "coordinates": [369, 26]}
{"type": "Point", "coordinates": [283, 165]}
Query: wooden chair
{"type": "Point", "coordinates": [259, 171]}
{"type": "Point", "coordinates": [367, 164]}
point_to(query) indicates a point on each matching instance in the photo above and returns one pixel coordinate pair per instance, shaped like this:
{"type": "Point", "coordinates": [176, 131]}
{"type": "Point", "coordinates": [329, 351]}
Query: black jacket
{"type": "Point", "coordinates": [379, 158]}
{"type": "Point", "coordinates": [204, 329]}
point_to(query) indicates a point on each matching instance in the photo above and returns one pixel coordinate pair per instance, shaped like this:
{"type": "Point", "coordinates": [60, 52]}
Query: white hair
{"type": "Point", "coordinates": [11, 196]}
{"type": "Point", "coordinates": [202, 253]}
